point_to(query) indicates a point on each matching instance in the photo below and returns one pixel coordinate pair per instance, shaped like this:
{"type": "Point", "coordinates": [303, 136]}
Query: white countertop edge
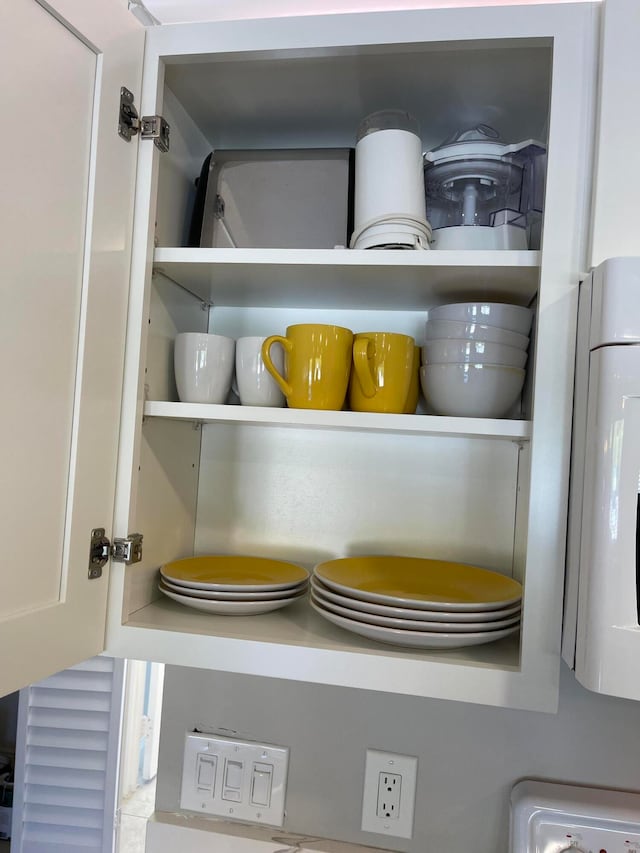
{"type": "Point", "coordinates": [170, 831]}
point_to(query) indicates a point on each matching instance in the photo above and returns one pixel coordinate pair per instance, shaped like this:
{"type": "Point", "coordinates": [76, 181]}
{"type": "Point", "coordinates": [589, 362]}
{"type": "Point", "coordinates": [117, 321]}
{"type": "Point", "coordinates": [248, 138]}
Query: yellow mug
{"type": "Point", "coordinates": [414, 386]}
{"type": "Point", "coordinates": [317, 365]}
{"type": "Point", "coordinates": [382, 371]}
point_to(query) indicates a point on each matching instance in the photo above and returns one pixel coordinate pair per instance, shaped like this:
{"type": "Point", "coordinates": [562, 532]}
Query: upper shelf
{"type": "Point", "coordinates": [341, 278]}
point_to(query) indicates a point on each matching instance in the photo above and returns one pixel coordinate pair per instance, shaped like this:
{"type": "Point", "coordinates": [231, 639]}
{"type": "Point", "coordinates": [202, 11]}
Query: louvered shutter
{"type": "Point", "coordinates": [66, 760]}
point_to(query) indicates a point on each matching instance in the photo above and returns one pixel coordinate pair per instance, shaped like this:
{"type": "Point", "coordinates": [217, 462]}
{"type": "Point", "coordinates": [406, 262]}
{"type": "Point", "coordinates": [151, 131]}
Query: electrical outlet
{"type": "Point", "coordinates": [389, 793]}
{"type": "Point", "coordinates": [389, 788]}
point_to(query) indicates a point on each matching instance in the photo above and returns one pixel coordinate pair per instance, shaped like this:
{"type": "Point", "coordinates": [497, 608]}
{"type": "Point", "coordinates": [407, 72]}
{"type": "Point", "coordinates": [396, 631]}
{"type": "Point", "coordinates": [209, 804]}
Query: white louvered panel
{"type": "Point", "coordinates": [67, 738]}
{"type": "Point", "coordinates": [78, 679]}
{"type": "Point", "coordinates": [68, 730]}
{"type": "Point", "coordinates": [62, 839]}
{"type": "Point", "coordinates": [70, 758]}
{"type": "Point", "coordinates": [84, 700]}
{"type": "Point", "coordinates": [75, 816]}
{"type": "Point", "coordinates": [62, 777]}
{"type": "Point", "coordinates": [66, 718]}
{"type": "Point", "coordinates": [45, 795]}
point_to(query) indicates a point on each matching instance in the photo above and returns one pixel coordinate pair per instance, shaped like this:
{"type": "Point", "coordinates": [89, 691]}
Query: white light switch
{"type": "Point", "coordinates": [206, 771]}
{"type": "Point", "coordinates": [261, 784]}
{"type": "Point", "coordinates": [232, 788]}
{"type": "Point", "coordinates": [234, 779]}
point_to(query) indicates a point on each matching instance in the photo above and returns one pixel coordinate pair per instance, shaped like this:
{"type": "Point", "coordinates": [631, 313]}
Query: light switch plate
{"type": "Point", "coordinates": [235, 779]}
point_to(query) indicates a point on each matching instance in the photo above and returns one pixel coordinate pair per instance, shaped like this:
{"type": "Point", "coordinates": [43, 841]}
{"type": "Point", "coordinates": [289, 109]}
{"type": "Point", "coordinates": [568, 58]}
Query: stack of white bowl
{"type": "Point", "coordinates": [474, 357]}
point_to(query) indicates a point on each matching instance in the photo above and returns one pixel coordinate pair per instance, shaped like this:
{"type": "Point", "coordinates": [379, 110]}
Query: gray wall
{"type": "Point", "coordinates": [469, 755]}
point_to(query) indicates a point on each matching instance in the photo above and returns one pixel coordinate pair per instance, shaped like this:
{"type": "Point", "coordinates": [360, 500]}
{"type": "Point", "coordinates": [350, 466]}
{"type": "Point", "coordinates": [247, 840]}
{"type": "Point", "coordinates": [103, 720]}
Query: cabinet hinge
{"type": "Point", "coordinates": [149, 127]}
{"type": "Point", "coordinates": [127, 551]}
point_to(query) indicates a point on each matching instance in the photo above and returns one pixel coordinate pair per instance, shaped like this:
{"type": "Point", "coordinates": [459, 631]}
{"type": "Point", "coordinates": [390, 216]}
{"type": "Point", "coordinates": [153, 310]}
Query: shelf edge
{"type": "Point", "coordinates": [490, 428]}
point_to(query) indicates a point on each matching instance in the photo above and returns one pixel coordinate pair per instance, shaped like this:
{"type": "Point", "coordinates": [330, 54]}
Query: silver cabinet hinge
{"type": "Point", "coordinates": [101, 550]}
{"type": "Point", "coordinates": [149, 127]}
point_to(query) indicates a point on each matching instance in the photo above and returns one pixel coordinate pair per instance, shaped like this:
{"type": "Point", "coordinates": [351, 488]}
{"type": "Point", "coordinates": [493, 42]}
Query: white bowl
{"type": "Point", "coordinates": [512, 317]}
{"type": "Point", "coordinates": [471, 390]}
{"type": "Point", "coordinates": [442, 329]}
{"type": "Point", "coordinates": [454, 351]}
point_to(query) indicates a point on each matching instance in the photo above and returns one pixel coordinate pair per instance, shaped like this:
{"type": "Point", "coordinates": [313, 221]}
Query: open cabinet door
{"type": "Point", "coordinates": [66, 207]}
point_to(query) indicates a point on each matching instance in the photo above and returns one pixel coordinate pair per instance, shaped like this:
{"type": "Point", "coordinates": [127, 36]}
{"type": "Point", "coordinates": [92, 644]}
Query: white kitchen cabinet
{"type": "Point", "coordinates": [308, 486]}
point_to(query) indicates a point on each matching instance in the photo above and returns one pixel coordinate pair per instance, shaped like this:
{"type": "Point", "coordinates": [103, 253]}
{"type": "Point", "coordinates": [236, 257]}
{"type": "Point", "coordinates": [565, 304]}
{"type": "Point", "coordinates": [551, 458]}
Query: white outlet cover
{"type": "Point", "coordinates": [239, 780]}
{"type": "Point", "coordinates": [377, 764]}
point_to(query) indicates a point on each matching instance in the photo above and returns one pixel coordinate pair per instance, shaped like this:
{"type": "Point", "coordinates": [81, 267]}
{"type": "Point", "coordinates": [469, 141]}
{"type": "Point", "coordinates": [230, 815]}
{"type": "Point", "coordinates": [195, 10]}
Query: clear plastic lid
{"type": "Point", "coordinates": [388, 120]}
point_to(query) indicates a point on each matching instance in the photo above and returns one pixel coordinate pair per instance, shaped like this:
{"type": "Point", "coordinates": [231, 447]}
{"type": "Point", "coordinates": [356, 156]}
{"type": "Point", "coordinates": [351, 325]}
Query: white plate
{"type": "Point", "coordinates": [414, 639]}
{"type": "Point", "coordinates": [231, 608]}
{"type": "Point", "coordinates": [413, 625]}
{"type": "Point", "coordinates": [409, 613]}
{"type": "Point", "coordinates": [220, 595]}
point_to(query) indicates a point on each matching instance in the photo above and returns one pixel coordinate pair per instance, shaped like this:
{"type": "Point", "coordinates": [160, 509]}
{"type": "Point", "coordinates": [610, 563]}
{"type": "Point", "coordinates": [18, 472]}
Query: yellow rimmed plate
{"type": "Point", "coordinates": [419, 583]}
{"type": "Point", "coordinates": [232, 573]}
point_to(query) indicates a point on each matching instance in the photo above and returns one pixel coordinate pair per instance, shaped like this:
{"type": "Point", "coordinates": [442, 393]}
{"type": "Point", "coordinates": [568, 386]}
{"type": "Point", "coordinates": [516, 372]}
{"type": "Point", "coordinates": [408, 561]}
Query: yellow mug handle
{"type": "Point", "coordinates": [266, 357]}
{"type": "Point", "coordinates": [362, 351]}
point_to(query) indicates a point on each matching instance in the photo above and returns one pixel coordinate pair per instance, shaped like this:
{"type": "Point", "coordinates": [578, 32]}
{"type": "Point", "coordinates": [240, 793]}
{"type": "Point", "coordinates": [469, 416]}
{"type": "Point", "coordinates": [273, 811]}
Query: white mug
{"type": "Point", "coordinates": [203, 366]}
{"type": "Point", "coordinates": [255, 386]}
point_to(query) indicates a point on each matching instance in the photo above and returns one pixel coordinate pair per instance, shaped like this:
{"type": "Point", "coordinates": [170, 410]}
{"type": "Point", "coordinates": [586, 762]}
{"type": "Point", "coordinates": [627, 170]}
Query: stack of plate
{"type": "Point", "coordinates": [409, 601]}
{"type": "Point", "coordinates": [233, 586]}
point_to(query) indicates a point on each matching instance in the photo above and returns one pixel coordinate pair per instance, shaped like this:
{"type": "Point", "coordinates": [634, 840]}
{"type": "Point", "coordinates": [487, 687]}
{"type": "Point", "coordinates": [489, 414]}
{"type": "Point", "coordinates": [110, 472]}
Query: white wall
{"type": "Point", "coordinates": [616, 173]}
{"type": "Point", "coordinates": [469, 755]}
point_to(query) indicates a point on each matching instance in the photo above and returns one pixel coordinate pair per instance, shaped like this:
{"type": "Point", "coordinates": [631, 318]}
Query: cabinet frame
{"type": "Point", "coordinates": [533, 684]}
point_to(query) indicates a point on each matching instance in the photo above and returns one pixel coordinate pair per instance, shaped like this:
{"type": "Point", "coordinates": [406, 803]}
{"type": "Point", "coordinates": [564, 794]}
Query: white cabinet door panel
{"type": "Point", "coordinates": [65, 225]}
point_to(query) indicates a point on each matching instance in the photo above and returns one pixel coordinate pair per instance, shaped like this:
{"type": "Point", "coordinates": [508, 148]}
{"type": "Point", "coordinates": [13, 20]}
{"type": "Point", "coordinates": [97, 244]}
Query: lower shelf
{"type": "Point", "coordinates": [296, 643]}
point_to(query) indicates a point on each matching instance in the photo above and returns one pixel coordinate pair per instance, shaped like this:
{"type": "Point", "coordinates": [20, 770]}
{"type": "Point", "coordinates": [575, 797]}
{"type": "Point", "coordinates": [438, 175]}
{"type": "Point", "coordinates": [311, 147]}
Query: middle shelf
{"type": "Point", "coordinates": [328, 278]}
{"type": "Point", "coordinates": [492, 428]}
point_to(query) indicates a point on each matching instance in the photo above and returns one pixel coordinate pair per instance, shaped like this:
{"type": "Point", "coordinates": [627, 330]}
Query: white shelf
{"type": "Point", "coordinates": [323, 278]}
{"type": "Point", "coordinates": [498, 428]}
{"type": "Point", "coordinates": [297, 642]}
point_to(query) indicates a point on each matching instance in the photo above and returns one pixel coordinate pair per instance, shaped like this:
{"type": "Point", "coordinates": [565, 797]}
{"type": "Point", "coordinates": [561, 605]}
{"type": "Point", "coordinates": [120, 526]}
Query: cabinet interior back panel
{"type": "Point", "coordinates": [281, 100]}
{"type": "Point", "coordinates": [309, 496]}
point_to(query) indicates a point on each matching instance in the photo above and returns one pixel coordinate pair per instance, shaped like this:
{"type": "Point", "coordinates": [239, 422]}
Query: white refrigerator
{"type": "Point", "coordinates": [601, 638]}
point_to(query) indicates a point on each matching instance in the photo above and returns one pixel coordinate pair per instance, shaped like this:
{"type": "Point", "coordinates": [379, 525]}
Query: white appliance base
{"type": "Point", "coordinates": [553, 818]}
{"type": "Point", "coordinates": [479, 237]}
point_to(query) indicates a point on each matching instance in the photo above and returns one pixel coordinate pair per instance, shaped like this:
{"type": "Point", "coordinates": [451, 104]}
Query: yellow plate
{"type": "Point", "coordinates": [222, 572]}
{"type": "Point", "coordinates": [420, 583]}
